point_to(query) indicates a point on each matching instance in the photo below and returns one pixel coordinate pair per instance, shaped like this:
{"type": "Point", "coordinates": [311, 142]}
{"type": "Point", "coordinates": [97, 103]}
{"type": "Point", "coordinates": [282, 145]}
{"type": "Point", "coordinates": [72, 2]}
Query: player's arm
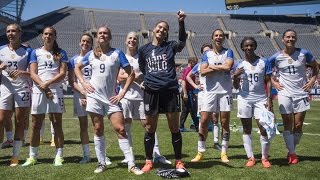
{"type": "Point", "coordinates": [182, 32]}
{"type": "Point", "coordinates": [315, 71]}
{"type": "Point", "coordinates": [189, 77]}
{"type": "Point", "coordinates": [77, 69]}
{"type": "Point", "coordinates": [269, 92]}
{"type": "Point", "coordinates": [122, 76]}
{"type": "Point", "coordinates": [60, 76]}
{"type": "Point", "coordinates": [34, 76]}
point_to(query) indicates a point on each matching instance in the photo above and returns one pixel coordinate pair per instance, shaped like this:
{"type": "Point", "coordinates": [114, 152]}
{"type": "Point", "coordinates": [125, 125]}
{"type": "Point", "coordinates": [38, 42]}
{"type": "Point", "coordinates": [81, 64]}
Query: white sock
{"type": "Point", "coordinates": [125, 148]}
{"type": "Point", "coordinates": [127, 127]}
{"type": "Point", "coordinates": [16, 148]}
{"type": "Point", "coordinates": [59, 152]}
{"type": "Point", "coordinates": [86, 150]}
{"type": "Point", "coordinates": [297, 137]}
{"type": "Point", "coordinates": [9, 135]}
{"type": "Point", "coordinates": [224, 146]}
{"type": "Point", "coordinates": [42, 129]}
{"type": "Point", "coordinates": [247, 144]}
{"type": "Point", "coordinates": [201, 146]}
{"type": "Point", "coordinates": [289, 140]}
{"type": "Point", "coordinates": [215, 133]}
{"type": "Point", "coordinates": [100, 148]}
{"type": "Point", "coordinates": [25, 134]}
{"type": "Point", "coordinates": [156, 150]}
{"type": "Point", "coordinates": [34, 152]}
{"type": "Point", "coordinates": [52, 130]}
{"type": "Point", "coordinates": [265, 146]}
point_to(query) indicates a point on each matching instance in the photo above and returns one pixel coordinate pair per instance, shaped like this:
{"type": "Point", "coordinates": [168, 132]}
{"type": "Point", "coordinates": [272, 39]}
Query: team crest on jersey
{"type": "Point", "coordinates": [48, 56]}
{"type": "Point", "coordinates": [146, 107]}
{"type": "Point", "coordinates": [290, 60]}
{"type": "Point", "coordinates": [13, 56]}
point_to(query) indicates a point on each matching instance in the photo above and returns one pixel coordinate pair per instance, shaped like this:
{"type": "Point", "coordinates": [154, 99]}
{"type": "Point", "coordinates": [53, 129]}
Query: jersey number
{"type": "Point", "coordinates": [102, 68]}
{"type": "Point", "coordinates": [87, 72]}
{"type": "Point", "coordinates": [13, 64]}
{"type": "Point", "coordinates": [25, 96]}
{"type": "Point", "coordinates": [292, 69]}
{"type": "Point", "coordinates": [229, 100]}
{"type": "Point", "coordinates": [48, 64]}
{"type": "Point", "coordinates": [253, 77]}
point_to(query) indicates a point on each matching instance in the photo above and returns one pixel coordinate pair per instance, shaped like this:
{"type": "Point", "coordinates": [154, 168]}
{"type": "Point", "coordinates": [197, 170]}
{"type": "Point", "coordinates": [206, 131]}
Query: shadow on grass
{"type": "Point", "coordinates": [284, 161]}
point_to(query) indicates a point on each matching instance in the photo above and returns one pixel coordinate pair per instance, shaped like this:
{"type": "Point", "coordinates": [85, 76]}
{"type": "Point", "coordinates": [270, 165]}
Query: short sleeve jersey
{"type": "Point", "coordinates": [86, 71]}
{"type": "Point", "coordinates": [292, 71]}
{"type": "Point", "coordinates": [104, 73]}
{"type": "Point", "coordinates": [218, 82]}
{"type": "Point", "coordinates": [252, 80]}
{"type": "Point", "coordinates": [48, 67]}
{"type": "Point", "coordinates": [158, 65]}
{"type": "Point", "coordinates": [134, 92]}
{"type": "Point", "coordinates": [15, 60]}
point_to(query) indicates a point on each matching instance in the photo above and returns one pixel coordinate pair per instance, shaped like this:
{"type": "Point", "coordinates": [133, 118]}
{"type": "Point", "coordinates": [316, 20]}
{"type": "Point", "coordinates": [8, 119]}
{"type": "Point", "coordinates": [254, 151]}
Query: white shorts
{"type": "Point", "coordinates": [99, 107]}
{"type": "Point", "coordinates": [78, 109]}
{"type": "Point", "coordinates": [216, 102]}
{"type": "Point", "coordinates": [248, 109]}
{"type": "Point", "coordinates": [288, 105]}
{"type": "Point", "coordinates": [19, 98]}
{"type": "Point", "coordinates": [42, 105]}
{"type": "Point", "coordinates": [133, 109]}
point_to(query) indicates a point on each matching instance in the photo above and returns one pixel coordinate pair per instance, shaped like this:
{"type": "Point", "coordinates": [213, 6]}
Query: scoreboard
{"type": "Point", "coordinates": [236, 4]}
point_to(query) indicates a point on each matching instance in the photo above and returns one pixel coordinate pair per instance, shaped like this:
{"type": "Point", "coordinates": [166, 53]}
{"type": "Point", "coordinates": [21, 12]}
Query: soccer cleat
{"type": "Point", "coordinates": [29, 161]}
{"type": "Point", "coordinates": [198, 157]}
{"type": "Point", "coordinates": [224, 158]}
{"type": "Point", "coordinates": [58, 161]}
{"type": "Point", "coordinates": [41, 141]}
{"type": "Point", "coordinates": [14, 161]}
{"type": "Point", "coordinates": [85, 159]}
{"type": "Point", "coordinates": [266, 163]}
{"type": "Point", "coordinates": [108, 161]}
{"type": "Point", "coordinates": [148, 166]}
{"type": "Point", "coordinates": [217, 146]}
{"type": "Point", "coordinates": [124, 161]}
{"type": "Point", "coordinates": [162, 160]}
{"type": "Point", "coordinates": [293, 159]}
{"type": "Point", "coordinates": [100, 168]}
{"type": "Point", "coordinates": [7, 144]}
{"type": "Point", "coordinates": [180, 165]}
{"type": "Point", "coordinates": [135, 170]}
{"type": "Point", "coordinates": [251, 162]}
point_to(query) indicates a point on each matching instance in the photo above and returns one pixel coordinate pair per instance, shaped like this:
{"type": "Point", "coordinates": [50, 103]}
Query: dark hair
{"type": "Point", "coordinates": [215, 31]}
{"type": "Point", "coordinates": [204, 46]}
{"type": "Point", "coordinates": [288, 30]}
{"type": "Point", "coordinates": [17, 26]}
{"type": "Point", "coordinates": [89, 35]}
{"type": "Point", "coordinates": [162, 21]}
{"type": "Point", "coordinates": [251, 39]}
{"type": "Point", "coordinates": [192, 59]}
{"type": "Point", "coordinates": [97, 50]}
{"type": "Point", "coordinates": [55, 48]}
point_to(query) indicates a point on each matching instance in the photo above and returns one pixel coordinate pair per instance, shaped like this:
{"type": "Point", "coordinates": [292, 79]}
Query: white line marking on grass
{"type": "Point", "coordinates": [311, 134]}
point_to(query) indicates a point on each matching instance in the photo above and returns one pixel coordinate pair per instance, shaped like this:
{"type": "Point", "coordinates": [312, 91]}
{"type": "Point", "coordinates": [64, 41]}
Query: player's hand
{"type": "Point", "coordinates": [83, 92]}
{"type": "Point", "coordinates": [49, 94]}
{"type": "Point", "coordinates": [14, 74]}
{"type": "Point", "coordinates": [200, 87]}
{"type": "Point", "coordinates": [88, 87]}
{"type": "Point", "coordinates": [116, 99]}
{"type": "Point", "coordinates": [83, 102]}
{"type": "Point", "coordinates": [307, 87]}
{"type": "Point", "coordinates": [238, 72]}
{"type": "Point", "coordinates": [277, 85]}
{"type": "Point", "coordinates": [3, 66]}
{"type": "Point", "coordinates": [44, 86]}
{"type": "Point", "coordinates": [181, 15]}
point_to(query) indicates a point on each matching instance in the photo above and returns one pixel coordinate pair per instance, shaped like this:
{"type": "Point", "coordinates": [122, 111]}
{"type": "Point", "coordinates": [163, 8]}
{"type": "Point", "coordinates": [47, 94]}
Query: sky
{"type": "Point", "coordinates": [34, 8]}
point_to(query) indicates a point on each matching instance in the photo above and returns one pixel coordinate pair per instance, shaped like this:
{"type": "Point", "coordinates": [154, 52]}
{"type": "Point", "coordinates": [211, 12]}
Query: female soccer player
{"type": "Point", "coordinates": [293, 89]}
{"type": "Point", "coordinates": [253, 72]}
{"type": "Point", "coordinates": [15, 89]}
{"type": "Point", "coordinates": [132, 103]}
{"type": "Point", "coordinates": [102, 99]}
{"type": "Point", "coordinates": [215, 66]}
{"type": "Point", "coordinates": [161, 95]}
{"type": "Point", "coordinates": [48, 66]}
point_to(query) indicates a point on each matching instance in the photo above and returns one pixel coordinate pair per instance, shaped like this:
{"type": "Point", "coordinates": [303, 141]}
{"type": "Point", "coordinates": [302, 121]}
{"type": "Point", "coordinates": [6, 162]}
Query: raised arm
{"type": "Point", "coordinates": [182, 32]}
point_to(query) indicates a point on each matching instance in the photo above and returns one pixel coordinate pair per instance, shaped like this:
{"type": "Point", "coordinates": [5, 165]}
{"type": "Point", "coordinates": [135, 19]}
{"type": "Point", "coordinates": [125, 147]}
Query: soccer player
{"type": "Point", "coordinates": [215, 66]}
{"type": "Point", "coordinates": [102, 99]}
{"type": "Point", "coordinates": [48, 66]}
{"type": "Point", "coordinates": [15, 89]}
{"type": "Point", "coordinates": [293, 89]}
{"type": "Point", "coordinates": [161, 94]}
{"type": "Point", "coordinates": [132, 102]}
{"type": "Point", "coordinates": [253, 72]}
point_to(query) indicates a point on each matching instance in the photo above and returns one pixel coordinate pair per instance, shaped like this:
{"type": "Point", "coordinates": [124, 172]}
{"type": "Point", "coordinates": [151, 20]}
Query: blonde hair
{"type": "Point", "coordinates": [97, 50]}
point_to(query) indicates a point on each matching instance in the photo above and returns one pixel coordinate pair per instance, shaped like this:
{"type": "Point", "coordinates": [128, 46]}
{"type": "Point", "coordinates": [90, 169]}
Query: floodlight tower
{"type": "Point", "coordinates": [12, 9]}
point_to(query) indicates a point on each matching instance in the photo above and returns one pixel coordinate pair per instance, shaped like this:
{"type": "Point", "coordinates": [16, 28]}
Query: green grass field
{"type": "Point", "coordinates": [209, 168]}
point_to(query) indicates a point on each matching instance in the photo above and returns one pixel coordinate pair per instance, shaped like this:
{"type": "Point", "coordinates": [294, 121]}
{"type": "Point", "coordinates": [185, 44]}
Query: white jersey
{"type": "Point", "coordinates": [104, 73]}
{"type": "Point", "coordinates": [48, 68]}
{"type": "Point", "coordinates": [218, 82]}
{"type": "Point", "coordinates": [252, 80]}
{"type": "Point", "coordinates": [292, 71]}
{"type": "Point", "coordinates": [15, 60]}
{"type": "Point", "coordinates": [134, 92]}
